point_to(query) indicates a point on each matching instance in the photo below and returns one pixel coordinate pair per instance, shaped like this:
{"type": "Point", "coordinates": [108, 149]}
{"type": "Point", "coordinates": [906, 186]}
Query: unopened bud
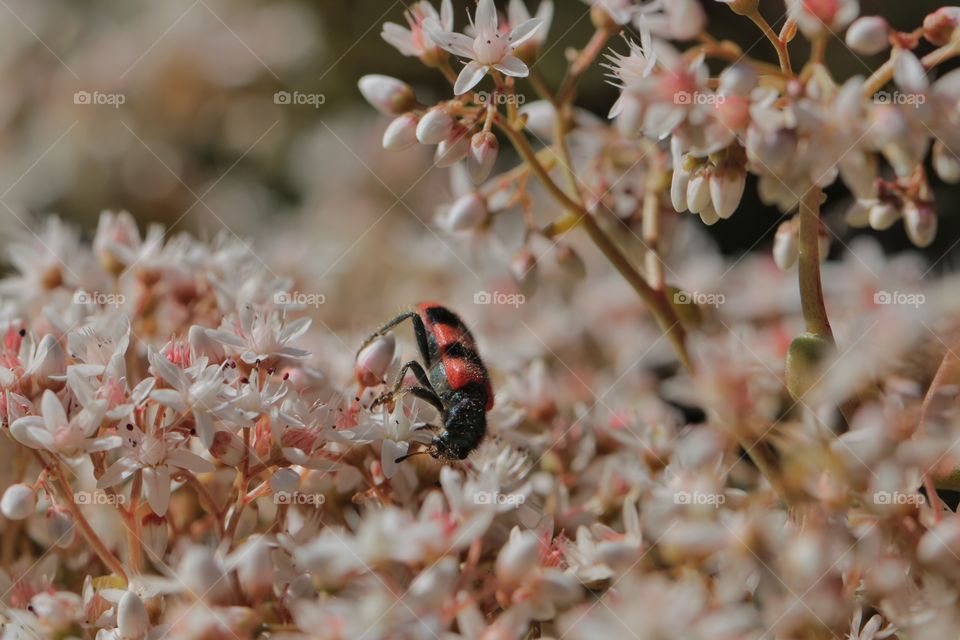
{"type": "Point", "coordinates": [467, 212]}
{"type": "Point", "coordinates": [401, 133]}
{"type": "Point", "coordinates": [374, 360]}
{"type": "Point", "coordinates": [678, 189]}
{"type": "Point", "coordinates": [484, 148]}
{"type": "Point", "coordinates": [698, 192]}
{"type": "Point", "coordinates": [869, 35]}
{"type": "Point", "coordinates": [435, 126]}
{"type": "Point", "coordinates": [133, 622]}
{"type": "Point", "coordinates": [941, 25]}
{"type": "Point", "coordinates": [388, 95]}
{"type": "Point", "coordinates": [570, 261]}
{"type": "Point", "coordinates": [920, 220]}
{"type": "Point", "coordinates": [155, 535]}
{"type": "Point", "coordinates": [786, 249]}
{"type": "Point", "coordinates": [523, 268]}
{"type": "Point", "coordinates": [726, 190]}
{"type": "Point", "coordinates": [452, 150]}
{"type": "Point", "coordinates": [709, 215]}
{"type": "Point", "coordinates": [60, 526]}
{"type": "Point", "coordinates": [19, 501]}
{"type": "Point", "coordinates": [883, 215]}
{"type": "Point", "coordinates": [228, 448]}
{"type": "Point", "coordinates": [946, 163]}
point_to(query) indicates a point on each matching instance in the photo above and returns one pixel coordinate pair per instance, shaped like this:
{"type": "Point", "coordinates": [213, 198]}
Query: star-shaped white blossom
{"type": "Point", "coordinates": [490, 49]}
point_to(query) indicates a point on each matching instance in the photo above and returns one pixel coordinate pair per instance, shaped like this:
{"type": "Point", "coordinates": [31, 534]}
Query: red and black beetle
{"type": "Point", "coordinates": [457, 384]}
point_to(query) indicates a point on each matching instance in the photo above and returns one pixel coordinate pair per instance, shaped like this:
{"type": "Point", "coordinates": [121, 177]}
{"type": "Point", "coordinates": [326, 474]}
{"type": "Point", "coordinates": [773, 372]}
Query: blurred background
{"type": "Point", "coordinates": [167, 109]}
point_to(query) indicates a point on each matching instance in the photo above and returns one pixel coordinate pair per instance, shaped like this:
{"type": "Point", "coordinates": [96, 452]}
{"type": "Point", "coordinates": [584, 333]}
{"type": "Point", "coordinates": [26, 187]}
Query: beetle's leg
{"type": "Point", "coordinates": [427, 427]}
{"type": "Point", "coordinates": [425, 392]}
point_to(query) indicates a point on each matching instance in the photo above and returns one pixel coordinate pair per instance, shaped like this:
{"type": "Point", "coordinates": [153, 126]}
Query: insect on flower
{"type": "Point", "coordinates": [457, 383]}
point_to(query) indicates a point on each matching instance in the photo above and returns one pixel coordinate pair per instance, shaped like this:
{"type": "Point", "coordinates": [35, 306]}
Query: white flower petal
{"type": "Point", "coordinates": [189, 461]}
{"type": "Point", "coordinates": [156, 488]}
{"type": "Point", "coordinates": [512, 66]}
{"type": "Point", "coordinates": [469, 77]}
{"type": "Point", "coordinates": [524, 32]}
{"type": "Point", "coordinates": [485, 20]}
{"type": "Point", "coordinates": [53, 414]}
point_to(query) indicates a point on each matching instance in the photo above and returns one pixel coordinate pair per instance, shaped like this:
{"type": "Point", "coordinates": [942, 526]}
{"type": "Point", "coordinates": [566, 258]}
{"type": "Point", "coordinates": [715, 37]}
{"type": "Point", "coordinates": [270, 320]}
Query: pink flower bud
{"type": "Point", "coordinates": [726, 190]}
{"type": "Point", "coordinates": [388, 95]}
{"type": "Point", "coordinates": [374, 360]}
{"type": "Point", "coordinates": [883, 215]}
{"type": "Point", "coordinates": [228, 448]}
{"type": "Point", "coordinates": [132, 618]}
{"type": "Point", "coordinates": [467, 212]}
{"type": "Point", "coordinates": [435, 126]}
{"type": "Point", "coordinates": [920, 220]}
{"type": "Point", "coordinates": [154, 534]}
{"type": "Point", "coordinates": [401, 133]}
{"type": "Point", "coordinates": [698, 192]}
{"type": "Point", "coordinates": [869, 35]}
{"type": "Point", "coordinates": [786, 245]}
{"type": "Point", "coordinates": [19, 501]}
{"type": "Point", "coordinates": [60, 526]}
{"type": "Point", "coordinates": [939, 26]}
{"type": "Point", "coordinates": [484, 148]}
{"type": "Point", "coordinates": [452, 150]}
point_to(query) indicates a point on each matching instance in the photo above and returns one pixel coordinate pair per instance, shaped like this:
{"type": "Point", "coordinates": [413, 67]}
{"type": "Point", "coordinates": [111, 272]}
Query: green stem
{"type": "Point", "coordinates": [811, 288]}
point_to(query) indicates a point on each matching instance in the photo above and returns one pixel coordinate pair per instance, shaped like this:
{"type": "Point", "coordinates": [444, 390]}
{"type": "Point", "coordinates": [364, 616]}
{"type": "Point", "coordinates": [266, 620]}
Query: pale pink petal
{"type": "Point", "coordinates": [524, 32]}
{"type": "Point", "coordinates": [456, 43]}
{"type": "Point", "coordinates": [399, 37]}
{"type": "Point", "coordinates": [104, 444]}
{"type": "Point", "coordinates": [389, 452]}
{"type": "Point", "coordinates": [53, 414]}
{"type": "Point", "coordinates": [469, 77]}
{"type": "Point", "coordinates": [32, 432]}
{"type": "Point", "coordinates": [156, 488]}
{"type": "Point", "coordinates": [189, 461]}
{"type": "Point", "coordinates": [485, 21]}
{"type": "Point", "coordinates": [118, 472]}
{"type": "Point", "coordinates": [512, 66]}
{"type": "Point", "coordinates": [169, 398]}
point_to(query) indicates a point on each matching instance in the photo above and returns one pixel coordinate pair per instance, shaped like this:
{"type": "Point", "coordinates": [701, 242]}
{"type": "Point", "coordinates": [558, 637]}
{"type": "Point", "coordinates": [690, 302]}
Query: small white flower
{"type": "Point", "coordinates": [415, 41]}
{"type": "Point", "coordinates": [490, 49]}
{"type": "Point", "coordinates": [54, 431]}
